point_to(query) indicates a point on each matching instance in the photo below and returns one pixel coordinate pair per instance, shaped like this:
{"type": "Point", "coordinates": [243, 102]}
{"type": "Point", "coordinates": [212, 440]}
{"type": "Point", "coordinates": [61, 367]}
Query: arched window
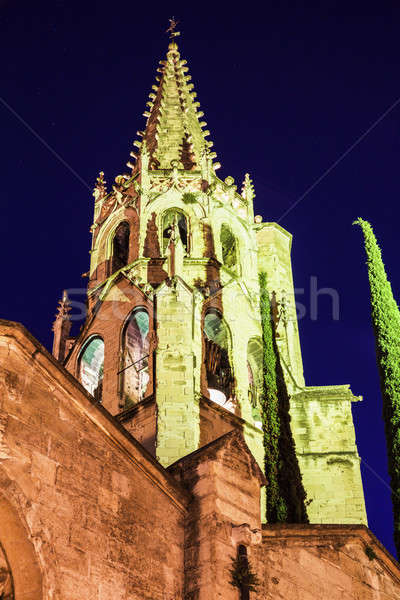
{"type": "Point", "coordinates": [120, 247]}
{"type": "Point", "coordinates": [136, 356]}
{"type": "Point", "coordinates": [255, 375]}
{"type": "Point", "coordinates": [220, 381]}
{"type": "Point", "coordinates": [6, 579]}
{"type": "Point", "coordinates": [174, 218]}
{"type": "Point", "coordinates": [228, 245]}
{"type": "Point", "coordinates": [91, 367]}
{"type": "Point", "coordinates": [20, 573]}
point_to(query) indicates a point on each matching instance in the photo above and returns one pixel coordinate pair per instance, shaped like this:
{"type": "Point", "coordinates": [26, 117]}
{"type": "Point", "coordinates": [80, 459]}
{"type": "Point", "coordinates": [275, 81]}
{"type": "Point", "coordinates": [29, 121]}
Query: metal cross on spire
{"type": "Point", "coordinates": [173, 23]}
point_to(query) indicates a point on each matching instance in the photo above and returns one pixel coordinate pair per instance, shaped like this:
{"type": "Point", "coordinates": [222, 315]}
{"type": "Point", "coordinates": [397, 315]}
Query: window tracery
{"type": "Point", "coordinates": [136, 347]}
{"type": "Point", "coordinates": [91, 367]}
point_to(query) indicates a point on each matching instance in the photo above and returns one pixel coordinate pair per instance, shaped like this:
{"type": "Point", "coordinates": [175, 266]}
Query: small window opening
{"type": "Point", "coordinates": [120, 252]}
{"type": "Point", "coordinates": [136, 357]}
{"type": "Point", "coordinates": [228, 245]}
{"type": "Point", "coordinates": [255, 378]}
{"type": "Point", "coordinates": [91, 368]}
{"type": "Point", "coordinates": [171, 217]}
{"type": "Point", "coordinates": [220, 381]}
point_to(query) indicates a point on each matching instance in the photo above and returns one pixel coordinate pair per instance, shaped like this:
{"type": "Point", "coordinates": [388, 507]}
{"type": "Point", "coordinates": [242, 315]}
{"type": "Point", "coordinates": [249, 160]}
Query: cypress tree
{"type": "Point", "coordinates": [285, 492]}
{"type": "Point", "coordinates": [386, 325]}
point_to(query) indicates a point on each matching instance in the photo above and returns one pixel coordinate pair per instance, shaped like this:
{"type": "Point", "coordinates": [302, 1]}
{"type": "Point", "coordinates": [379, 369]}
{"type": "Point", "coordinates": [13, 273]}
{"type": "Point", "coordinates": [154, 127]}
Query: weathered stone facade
{"type": "Point", "coordinates": [193, 253]}
{"type": "Point", "coordinates": [86, 513]}
{"type": "Point", "coordinates": [131, 462]}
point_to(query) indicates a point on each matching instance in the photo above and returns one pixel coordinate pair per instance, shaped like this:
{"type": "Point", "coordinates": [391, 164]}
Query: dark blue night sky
{"type": "Point", "coordinates": [286, 87]}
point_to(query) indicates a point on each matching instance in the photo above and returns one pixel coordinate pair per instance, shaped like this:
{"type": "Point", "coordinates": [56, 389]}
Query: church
{"type": "Point", "coordinates": [132, 458]}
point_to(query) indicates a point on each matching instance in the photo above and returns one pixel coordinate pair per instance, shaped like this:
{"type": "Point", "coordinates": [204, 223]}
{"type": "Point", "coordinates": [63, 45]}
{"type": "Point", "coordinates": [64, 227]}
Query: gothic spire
{"type": "Point", "coordinates": [174, 129]}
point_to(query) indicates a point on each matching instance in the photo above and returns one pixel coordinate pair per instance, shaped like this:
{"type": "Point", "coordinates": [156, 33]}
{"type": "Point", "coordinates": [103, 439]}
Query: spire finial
{"type": "Point", "coordinates": [173, 23]}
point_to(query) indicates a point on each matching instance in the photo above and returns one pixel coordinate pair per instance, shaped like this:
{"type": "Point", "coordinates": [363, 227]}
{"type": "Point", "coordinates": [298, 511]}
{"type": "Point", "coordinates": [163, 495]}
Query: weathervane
{"type": "Point", "coordinates": [171, 29]}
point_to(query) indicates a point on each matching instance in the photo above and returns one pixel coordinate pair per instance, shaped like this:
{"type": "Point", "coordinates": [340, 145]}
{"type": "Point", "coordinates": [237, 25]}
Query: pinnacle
{"type": "Point", "coordinates": [64, 307]}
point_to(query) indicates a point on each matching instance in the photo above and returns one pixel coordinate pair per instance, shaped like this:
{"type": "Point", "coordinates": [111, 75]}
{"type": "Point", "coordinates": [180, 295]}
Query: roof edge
{"type": "Point", "coordinates": [98, 415]}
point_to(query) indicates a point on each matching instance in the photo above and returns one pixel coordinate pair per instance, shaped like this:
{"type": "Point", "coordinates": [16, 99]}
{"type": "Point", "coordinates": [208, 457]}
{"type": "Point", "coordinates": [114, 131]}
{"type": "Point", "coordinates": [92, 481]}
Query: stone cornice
{"type": "Point", "coordinates": [309, 534]}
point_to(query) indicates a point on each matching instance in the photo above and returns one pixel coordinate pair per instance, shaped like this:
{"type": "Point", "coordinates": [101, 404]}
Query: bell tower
{"type": "Point", "coordinates": [168, 302]}
{"type": "Point", "coordinates": [172, 342]}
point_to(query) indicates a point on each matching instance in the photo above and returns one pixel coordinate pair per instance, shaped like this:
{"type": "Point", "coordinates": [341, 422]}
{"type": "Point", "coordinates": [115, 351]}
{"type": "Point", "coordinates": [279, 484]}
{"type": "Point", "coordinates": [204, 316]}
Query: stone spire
{"type": "Point", "coordinates": [61, 327]}
{"type": "Point", "coordinates": [174, 129]}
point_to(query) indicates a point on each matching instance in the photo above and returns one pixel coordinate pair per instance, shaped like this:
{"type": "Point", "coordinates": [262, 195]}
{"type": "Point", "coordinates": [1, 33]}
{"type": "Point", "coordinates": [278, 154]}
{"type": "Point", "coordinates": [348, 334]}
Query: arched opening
{"type": "Point", "coordinates": [6, 578]}
{"type": "Point", "coordinates": [91, 367]}
{"type": "Point", "coordinates": [255, 376]}
{"type": "Point", "coordinates": [120, 247]}
{"type": "Point", "coordinates": [136, 347]}
{"type": "Point", "coordinates": [220, 380]}
{"type": "Point", "coordinates": [174, 218]}
{"type": "Point", "coordinates": [228, 246]}
{"type": "Point", "coordinates": [20, 575]}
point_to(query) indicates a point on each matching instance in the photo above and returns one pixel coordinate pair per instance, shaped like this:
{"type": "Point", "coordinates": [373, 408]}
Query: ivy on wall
{"type": "Point", "coordinates": [386, 325]}
{"type": "Point", "coordinates": [242, 574]}
{"type": "Point", "coordinates": [285, 492]}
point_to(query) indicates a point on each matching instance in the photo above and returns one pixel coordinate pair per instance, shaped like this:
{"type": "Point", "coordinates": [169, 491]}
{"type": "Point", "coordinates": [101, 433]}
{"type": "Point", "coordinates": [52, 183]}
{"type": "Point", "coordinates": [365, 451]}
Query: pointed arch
{"type": "Point", "coordinates": [21, 575]}
{"type": "Point", "coordinates": [219, 374]}
{"type": "Point", "coordinates": [91, 366]}
{"type": "Point", "coordinates": [255, 369]}
{"type": "Point", "coordinates": [120, 246]}
{"type": "Point", "coordinates": [135, 351]}
{"type": "Point", "coordinates": [169, 217]}
{"type": "Point", "coordinates": [255, 377]}
{"type": "Point", "coordinates": [229, 247]}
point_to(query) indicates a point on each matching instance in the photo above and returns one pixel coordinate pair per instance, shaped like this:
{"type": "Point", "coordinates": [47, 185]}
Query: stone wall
{"type": "Point", "coordinates": [274, 246]}
{"type": "Point", "coordinates": [178, 421]}
{"type": "Point", "coordinates": [225, 481]}
{"type": "Point", "coordinates": [141, 422]}
{"type": "Point", "coordinates": [105, 520]}
{"type": "Point", "coordinates": [323, 430]}
{"type": "Point", "coordinates": [310, 562]}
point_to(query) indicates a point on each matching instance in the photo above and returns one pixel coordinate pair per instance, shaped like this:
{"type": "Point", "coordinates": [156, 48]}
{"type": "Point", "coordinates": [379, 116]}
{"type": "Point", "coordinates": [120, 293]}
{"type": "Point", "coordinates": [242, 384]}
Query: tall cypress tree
{"type": "Point", "coordinates": [285, 492]}
{"type": "Point", "coordinates": [386, 325]}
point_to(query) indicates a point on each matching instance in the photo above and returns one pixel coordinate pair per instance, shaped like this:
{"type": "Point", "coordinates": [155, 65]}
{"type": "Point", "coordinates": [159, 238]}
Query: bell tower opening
{"type": "Point", "coordinates": [220, 381]}
{"type": "Point", "coordinates": [174, 215]}
{"type": "Point", "coordinates": [229, 247]}
{"type": "Point", "coordinates": [136, 345]}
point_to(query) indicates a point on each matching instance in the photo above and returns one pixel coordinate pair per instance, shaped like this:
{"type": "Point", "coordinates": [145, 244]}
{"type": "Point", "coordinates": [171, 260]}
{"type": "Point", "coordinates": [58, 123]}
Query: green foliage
{"type": "Point", "coordinates": [189, 198]}
{"type": "Point", "coordinates": [370, 552]}
{"type": "Point", "coordinates": [242, 575]}
{"type": "Point", "coordinates": [386, 325]}
{"type": "Point", "coordinates": [285, 491]}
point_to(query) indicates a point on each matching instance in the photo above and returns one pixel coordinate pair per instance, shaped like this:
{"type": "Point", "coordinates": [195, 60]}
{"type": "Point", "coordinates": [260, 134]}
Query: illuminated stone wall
{"type": "Point", "coordinates": [210, 260]}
